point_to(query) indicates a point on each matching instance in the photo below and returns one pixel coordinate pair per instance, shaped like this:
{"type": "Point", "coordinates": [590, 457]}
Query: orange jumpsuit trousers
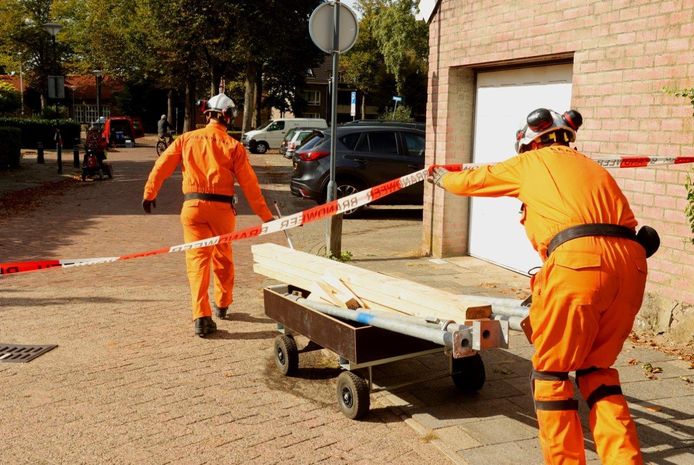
{"type": "Point", "coordinates": [210, 162]}
{"type": "Point", "coordinates": [584, 299]}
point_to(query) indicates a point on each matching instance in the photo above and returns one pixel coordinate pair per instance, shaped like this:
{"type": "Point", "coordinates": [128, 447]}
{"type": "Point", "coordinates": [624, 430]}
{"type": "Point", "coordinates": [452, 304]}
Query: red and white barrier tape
{"type": "Point", "coordinates": [319, 212]}
{"type": "Point", "coordinates": [605, 162]}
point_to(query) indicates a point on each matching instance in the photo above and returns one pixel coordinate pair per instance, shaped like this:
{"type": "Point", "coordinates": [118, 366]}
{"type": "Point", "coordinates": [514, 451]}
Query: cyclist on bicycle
{"type": "Point", "coordinates": [165, 134]}
{"type": "Point", "coordinates": [163, 128]}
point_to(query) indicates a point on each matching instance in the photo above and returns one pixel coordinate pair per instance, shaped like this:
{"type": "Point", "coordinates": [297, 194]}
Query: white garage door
{"type": "Point", "coordinates": [504, 99]}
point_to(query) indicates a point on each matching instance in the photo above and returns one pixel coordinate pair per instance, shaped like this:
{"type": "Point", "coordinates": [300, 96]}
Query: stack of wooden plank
{"type": "Point", "coordinates": [351, 286]}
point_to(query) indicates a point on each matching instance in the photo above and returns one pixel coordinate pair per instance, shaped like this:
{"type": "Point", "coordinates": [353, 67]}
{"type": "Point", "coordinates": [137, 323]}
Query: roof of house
{"type": "Point", "coordinates": [321, 73]}
{"type": "Point", "coordinates": [84, 85]}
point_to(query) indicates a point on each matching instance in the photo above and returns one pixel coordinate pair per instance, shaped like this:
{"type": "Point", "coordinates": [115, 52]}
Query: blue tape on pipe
{"type": "Point", "coordinates": [365, 318]}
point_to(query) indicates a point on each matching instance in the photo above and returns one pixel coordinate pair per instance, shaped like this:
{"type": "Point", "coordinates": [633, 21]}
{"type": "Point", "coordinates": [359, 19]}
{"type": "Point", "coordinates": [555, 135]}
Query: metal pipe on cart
{"type": "Point", "coordinates": [509, 306]}
{"type": "Point", "coordinates": [448, 339]}
{"type": "Point", "coordinates": [514, 321]}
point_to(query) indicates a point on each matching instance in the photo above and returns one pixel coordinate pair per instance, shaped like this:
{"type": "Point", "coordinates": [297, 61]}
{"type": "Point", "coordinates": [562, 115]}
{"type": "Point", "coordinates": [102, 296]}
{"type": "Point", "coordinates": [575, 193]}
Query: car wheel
{"type": "Point", "coordinates": [261, 147]}
{"type": "Point", "coordinates": [348, 187]}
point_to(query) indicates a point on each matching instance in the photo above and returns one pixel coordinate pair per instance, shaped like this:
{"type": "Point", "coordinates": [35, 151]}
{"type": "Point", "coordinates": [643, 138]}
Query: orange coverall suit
{"type": "Point", "coordinates": [584, 299]}
{"type": "Point", "coordinates": [210, 162]}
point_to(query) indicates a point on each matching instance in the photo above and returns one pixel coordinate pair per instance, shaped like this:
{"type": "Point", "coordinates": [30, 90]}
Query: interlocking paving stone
{"type": "Point", "coordinates": [131, 384]}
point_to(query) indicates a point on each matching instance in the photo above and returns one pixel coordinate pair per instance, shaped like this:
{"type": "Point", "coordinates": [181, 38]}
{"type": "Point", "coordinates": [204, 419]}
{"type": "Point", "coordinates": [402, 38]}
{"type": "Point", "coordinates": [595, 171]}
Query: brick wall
{"type": "Point", "coordinates": [624, 53]}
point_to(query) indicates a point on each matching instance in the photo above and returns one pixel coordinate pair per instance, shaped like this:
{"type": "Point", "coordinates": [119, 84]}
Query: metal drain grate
{"type": "Point", "coordinates": [13, 353]}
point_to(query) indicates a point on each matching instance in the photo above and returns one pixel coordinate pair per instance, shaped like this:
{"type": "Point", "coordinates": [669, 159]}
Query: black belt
{"type": "Point", "coordinates": [211, 197]}
{"type": "Point", "coordinates": [583, 230]}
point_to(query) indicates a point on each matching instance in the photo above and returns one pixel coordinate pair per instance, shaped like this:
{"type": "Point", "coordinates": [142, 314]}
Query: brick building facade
{"type": "Point", "coordinates": [622, 54]}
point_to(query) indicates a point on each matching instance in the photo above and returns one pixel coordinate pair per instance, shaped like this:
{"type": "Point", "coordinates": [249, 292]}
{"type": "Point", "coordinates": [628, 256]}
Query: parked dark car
{"type": "Point", "coordinates": [367, 155]}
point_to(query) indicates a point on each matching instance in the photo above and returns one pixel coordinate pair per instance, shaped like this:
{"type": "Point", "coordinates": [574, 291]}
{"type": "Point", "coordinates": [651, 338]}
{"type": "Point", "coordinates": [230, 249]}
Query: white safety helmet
{"type": "Point", "coordinates": [548, 126]}
{"type": "Point", "coordinates": [222, 104]}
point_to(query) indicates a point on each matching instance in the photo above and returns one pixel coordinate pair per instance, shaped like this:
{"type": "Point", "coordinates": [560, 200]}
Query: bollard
{"type": "Point", "coordinates": [76, 153]}
{"type": "Point", "coordinates": [59, 149]}
{"type": "Point", "coordinates": [39, 153]}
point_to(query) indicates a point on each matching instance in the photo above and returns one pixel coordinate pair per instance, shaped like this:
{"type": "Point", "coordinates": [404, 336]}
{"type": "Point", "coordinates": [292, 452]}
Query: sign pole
{"type": "Point", "coordinates": [334, 242]}
{"type": "Point", "coordinates": [324, 28]}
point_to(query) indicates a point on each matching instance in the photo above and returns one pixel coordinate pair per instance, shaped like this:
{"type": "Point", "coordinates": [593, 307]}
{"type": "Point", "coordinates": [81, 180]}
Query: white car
{"type": "Point", "coordinates": [298, 138]}
{"type": "Point", "coordinates": [270, 136]}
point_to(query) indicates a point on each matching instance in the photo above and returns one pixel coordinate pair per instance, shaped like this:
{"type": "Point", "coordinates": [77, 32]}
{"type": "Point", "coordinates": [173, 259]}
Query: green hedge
{"type": "Point", "coordinates": [10, 148]}
{"type": "Point", "coordinates": [34, 130]}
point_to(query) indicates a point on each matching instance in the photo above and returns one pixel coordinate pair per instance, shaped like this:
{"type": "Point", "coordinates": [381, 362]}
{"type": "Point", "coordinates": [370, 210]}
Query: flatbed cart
{"type": "Point", "coordinates": [361, 347]}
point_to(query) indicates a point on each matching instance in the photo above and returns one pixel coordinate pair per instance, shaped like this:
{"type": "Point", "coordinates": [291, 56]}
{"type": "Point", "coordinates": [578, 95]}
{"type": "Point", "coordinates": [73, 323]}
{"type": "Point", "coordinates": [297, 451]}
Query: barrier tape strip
{"type": "Point", "coordinates": [316, 213]}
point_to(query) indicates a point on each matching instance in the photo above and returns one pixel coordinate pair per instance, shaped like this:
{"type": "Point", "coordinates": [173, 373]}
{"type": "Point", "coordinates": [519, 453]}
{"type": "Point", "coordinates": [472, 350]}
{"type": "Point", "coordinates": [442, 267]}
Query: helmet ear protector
{"type": "Point", "coordinates": [202, 105]}
{"type": "Point", "coordinates": [547, 126]}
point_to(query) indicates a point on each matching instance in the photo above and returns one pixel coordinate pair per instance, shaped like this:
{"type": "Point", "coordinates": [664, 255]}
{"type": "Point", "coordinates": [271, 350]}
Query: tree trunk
{"type": "Point", "coordinates": [363, 105]}
{"type": "Point", "coordinates": [215, 80]}
{"type": "Point", "coordinates": [258, 97]}
{"type": "Point", "coordinates": [170, 107]}
{"type": "Point", "coordinates": [189, 111]}
{"type": "Point", "coordinates": [249, 97]}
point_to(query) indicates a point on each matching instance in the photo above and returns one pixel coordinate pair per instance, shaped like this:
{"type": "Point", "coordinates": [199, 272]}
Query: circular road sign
{"type": "Point", "coordinates": [320, 26]}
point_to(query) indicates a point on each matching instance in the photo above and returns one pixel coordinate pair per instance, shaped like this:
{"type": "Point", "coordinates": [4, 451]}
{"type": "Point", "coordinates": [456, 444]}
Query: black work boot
{"type": "Point", "coordinates": [220, 312]}
{"type": "Point", "coordinates": [204, 326]}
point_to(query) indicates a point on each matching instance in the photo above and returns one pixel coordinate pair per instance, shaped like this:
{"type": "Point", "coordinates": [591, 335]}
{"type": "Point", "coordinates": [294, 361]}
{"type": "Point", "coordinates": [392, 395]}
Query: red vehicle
{"type": "Point", "coordinates": [118, 129]}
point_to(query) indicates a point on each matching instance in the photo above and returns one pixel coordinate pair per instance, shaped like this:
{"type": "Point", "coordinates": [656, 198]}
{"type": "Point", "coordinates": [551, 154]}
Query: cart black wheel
{"type": "Point", "coordinates": [286, 355]}
{"type": "Point", "coordinates": [468, 373]}
{"type": "Point", "coordinates": [353, 395]}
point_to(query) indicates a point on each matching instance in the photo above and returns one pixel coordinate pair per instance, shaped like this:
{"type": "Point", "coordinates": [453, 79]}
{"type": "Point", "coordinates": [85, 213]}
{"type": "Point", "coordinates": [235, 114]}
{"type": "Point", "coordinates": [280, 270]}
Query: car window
{"type": "Point", "coordinates": [350, 140]}
{"type": "Point", "coordinates": [414, 143]}
{"type": "Point", "coordinates": [383, 142]}
{"type": "Point", "coordinates": [276, 126]}
{"type": "Point", "coordinates": [298, 135]}
{"type": "Point", "coordinates": [304, 135]}
{"type": "Point", "coordinates": [289, 134]}
{"type": "Point", "coordinates": [313, 140]}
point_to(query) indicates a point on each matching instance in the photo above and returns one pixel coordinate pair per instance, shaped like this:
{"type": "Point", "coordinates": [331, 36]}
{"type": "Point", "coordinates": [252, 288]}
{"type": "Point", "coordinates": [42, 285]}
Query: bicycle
{"type": "Point", "coordinates": [164, 142]}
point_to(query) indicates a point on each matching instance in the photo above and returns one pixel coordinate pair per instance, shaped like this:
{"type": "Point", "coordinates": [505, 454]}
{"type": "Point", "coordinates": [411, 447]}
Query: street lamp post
{"type": "Point", "coordinates": [98, 73]}
{"type": "Point", "coordinates": [53, 29]}
{"type": "Point", "coordinates": [21, 84]}
{"type": "Point", "coordinates": [73, 88]}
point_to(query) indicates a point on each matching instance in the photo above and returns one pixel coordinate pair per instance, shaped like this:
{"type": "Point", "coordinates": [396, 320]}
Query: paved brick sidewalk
{"type": "Point", "coordinates": [129, 383]}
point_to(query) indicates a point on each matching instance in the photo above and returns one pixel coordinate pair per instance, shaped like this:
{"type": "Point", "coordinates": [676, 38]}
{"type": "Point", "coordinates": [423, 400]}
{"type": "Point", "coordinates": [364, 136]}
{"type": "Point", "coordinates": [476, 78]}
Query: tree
{"type": "Point", "coordinates": [180, 46]}
{"type": "Point", "coordinates": [363, 65]}
{"type": "Point", "coordinates": [402, 39]}
{"type": "Point", "coordinates": [280, 60]}
{"type": "Point", "coordinates": [21, 32]}
{"type": "Point", "coordinates": [9, 98]}
{"type": "Point", "coordinates": [392, 44]}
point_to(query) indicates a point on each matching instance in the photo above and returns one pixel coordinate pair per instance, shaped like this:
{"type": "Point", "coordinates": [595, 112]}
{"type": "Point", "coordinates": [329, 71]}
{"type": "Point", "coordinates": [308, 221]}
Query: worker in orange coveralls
{"type": "Point", "coordinates": [589, 289]}
{"type": "Point", "coordinates": [211, 160]}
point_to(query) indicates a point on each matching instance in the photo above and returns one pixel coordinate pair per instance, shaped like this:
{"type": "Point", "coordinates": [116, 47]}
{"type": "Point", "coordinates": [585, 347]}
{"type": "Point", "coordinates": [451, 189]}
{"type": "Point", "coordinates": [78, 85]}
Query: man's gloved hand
{"type": "Point", "coordinates": [147, 205]}
{"type": "Point", "coordinates": [436, 173]}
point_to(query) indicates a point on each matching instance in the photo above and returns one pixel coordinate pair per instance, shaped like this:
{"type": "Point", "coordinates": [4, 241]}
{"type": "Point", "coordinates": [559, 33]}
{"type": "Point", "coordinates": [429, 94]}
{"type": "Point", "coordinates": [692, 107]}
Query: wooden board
{"type": "Point", "coordinates": [382, 291]}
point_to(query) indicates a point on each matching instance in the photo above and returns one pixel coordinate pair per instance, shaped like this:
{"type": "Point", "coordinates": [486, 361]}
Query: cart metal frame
{"type": "Point", "coordinates": [359, 347]}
